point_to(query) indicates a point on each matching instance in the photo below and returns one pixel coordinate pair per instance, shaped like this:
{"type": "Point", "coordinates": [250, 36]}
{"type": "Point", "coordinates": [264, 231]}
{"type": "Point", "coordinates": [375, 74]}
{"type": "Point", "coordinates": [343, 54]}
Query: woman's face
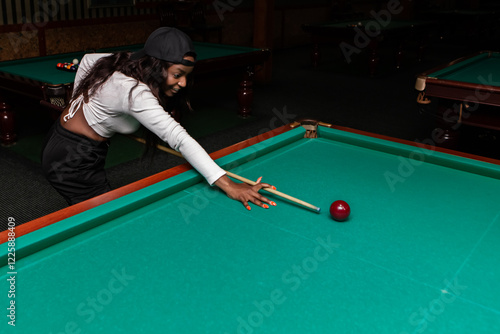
{"type": "Point", "coordinates": [177, 77]}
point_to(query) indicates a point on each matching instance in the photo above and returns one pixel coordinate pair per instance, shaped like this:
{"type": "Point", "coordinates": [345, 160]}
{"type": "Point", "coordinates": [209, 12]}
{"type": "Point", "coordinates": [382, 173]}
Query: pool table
{"type": "Point", "coordinates": [39, 78]}
{"type": "Point", "coordinates": [420, 251]}
{"type": "Point", "coordinates": [354, 37]}
{"type": "Point", "coordinates": [463, 91]}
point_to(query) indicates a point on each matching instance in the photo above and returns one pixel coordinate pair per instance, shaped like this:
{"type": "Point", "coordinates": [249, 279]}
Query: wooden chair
{"type": "Point", "coordinates": [56, 98]}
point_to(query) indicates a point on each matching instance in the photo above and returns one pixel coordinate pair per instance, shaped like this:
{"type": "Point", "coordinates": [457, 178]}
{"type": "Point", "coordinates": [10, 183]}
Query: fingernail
{"type": "Point", "coordinates": [249, 208]}
{"type": "Point", "coordinates": [273, 203]}
{"type": "Point", "coordinates": [259, 179]}
{"type": "Point", "coordinates": [273, 187]}
{"type": "Point", "coordinates": [265, 206]}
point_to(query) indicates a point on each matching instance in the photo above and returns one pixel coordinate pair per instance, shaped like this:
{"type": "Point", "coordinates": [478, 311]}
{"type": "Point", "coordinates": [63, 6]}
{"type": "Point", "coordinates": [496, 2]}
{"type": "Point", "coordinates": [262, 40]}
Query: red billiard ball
{"type": "Point", "coordinates": [340, 210]}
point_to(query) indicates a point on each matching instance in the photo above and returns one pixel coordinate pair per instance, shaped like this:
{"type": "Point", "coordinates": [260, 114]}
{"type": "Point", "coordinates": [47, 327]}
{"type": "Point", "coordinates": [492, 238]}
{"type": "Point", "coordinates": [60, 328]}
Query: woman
{"type": "Point", "coordinates": [119, 93]}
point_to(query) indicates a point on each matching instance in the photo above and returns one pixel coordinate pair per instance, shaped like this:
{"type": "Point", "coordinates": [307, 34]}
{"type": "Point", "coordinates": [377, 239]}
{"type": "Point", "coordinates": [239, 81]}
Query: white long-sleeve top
{"type": "Point", "coordinates": [111, 111]}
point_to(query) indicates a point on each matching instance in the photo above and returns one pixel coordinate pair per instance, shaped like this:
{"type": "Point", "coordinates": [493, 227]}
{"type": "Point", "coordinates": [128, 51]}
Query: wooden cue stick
{"type": "Point", "coordinates": [240, 178]}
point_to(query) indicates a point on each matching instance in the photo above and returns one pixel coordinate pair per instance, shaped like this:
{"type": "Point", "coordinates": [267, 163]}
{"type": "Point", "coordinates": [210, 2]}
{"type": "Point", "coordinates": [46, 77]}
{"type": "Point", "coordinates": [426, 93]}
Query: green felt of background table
{"type": "Point", "coordinates": [44, 69]}
{"type": "Point", "coordinates": [417, 255]}
{"type": "Point", "coordinates": [482, 69]}
{"type": "Point", "coordinates": [465, 12]}
{"type": "Point", "coordinates": [373, 23]}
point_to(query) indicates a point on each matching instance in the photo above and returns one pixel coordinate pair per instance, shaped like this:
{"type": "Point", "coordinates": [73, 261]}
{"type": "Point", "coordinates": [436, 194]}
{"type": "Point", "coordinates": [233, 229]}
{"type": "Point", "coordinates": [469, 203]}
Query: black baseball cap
{"type": "Point", "coordinates": [169, 44]}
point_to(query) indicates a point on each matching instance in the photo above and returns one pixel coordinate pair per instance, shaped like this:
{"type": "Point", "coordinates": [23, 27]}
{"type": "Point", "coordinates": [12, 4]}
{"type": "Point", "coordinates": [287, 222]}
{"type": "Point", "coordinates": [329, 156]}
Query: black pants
{"type": "Point", "coordinates": [74, 164]}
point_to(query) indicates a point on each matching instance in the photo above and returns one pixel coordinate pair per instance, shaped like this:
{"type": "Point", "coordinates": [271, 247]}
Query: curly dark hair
{"type": "Point", "coordinates": [148, 70]}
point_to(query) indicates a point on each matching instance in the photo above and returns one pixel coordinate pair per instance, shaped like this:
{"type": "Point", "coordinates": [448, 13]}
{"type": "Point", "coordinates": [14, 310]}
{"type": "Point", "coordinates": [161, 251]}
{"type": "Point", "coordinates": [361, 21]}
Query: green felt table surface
{"type": "Point", "coordinates": [392, 24]}
{"type": "Point", "coordinates": [480, 69]}
{"type": "Point", "coordinates": [44, 69]}
{"type": "Point", "coordinates": [419, 253]}
{"type": "Point", "coordinates": [465, 12]}
{"type": "Point", "coordinates": [203, 50]}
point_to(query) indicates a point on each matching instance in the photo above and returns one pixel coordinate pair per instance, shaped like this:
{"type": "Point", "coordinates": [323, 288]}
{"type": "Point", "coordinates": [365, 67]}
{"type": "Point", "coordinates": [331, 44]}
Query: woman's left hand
{"type": "Point", "coordinates": [244, 192]}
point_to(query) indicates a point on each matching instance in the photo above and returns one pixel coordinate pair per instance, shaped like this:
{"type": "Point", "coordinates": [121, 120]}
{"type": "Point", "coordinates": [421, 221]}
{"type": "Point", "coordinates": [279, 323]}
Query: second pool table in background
{"type": "Point", "coordinates": [466, 91]}
{"type": "Point", "coordinates": [39, 78]}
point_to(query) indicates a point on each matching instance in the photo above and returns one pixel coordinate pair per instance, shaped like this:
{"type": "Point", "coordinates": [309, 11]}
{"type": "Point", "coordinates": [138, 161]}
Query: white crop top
{"type": "Point", "coordinates": [110, 111]}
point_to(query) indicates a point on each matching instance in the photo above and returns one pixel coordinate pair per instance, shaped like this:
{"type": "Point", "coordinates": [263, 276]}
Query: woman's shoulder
{"type": "Point", "coordinates": [90, 59]}
{"type": "Point", "coordinates": [95, 55]}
